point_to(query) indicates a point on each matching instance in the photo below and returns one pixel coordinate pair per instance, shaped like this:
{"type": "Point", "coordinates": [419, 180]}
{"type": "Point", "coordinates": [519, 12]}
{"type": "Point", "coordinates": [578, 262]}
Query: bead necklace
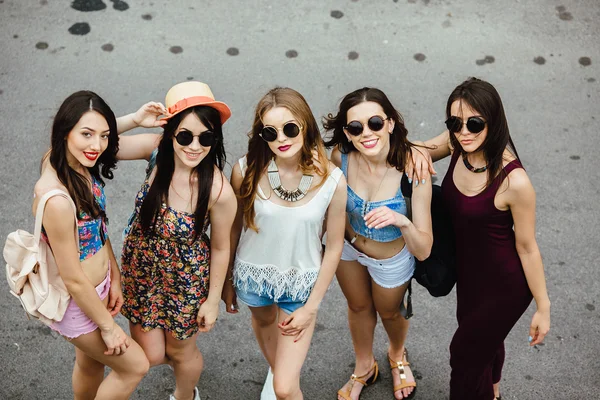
{"type": "Point", "coordinates": [283, 193]}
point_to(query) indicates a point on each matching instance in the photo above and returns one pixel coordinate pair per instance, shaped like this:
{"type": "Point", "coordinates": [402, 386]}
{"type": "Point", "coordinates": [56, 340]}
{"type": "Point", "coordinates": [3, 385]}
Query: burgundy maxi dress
{"type": "Point", "coordinates": [491, 288]}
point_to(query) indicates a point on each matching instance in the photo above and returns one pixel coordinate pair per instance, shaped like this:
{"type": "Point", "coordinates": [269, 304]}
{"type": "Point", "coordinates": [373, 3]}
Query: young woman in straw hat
{"type": "Point", "coordinates": [83, 153]}
{"type": "Point", "coordinates": [287, 188]}
{"type": "Point", "coordinates": [167, 257]}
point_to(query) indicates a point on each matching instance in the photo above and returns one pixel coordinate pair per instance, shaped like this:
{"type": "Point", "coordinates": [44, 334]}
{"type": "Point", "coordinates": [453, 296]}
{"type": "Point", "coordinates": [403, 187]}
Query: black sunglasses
{"type": "Point", "coordinates": [474, 124]}
{"type": "Point", "coordinates": [206, 138]}
{"type": "Point", "coordinates": [269, 133]}
{"type": "Point", "coordinates": [375, 124]}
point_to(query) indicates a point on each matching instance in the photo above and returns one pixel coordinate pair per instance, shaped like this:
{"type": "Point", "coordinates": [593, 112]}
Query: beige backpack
{"type": "Point", "coordinates": [32, 272]}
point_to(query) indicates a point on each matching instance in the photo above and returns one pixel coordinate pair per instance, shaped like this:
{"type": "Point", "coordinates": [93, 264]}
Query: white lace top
{"type": "Point", "coordinates": [284, 257]}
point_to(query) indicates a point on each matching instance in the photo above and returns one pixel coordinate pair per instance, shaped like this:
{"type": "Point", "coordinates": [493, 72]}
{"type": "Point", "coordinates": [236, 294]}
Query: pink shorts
{"type": "Point", "coordinates": [75, 323]}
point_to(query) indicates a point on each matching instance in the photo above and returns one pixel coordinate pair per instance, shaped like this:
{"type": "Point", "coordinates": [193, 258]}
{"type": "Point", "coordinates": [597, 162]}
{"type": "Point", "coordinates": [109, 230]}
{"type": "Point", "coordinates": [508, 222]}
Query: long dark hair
{"type": "Point", "coordinates": [482, 97]}
{"type": "Point", "coordinates": [400, 146]}
{"type": "Point", "coordinates": [165, 166]}
{"type": "Point", "coordinates": [259, 154]}
{"type": "Point", "coordinates": [68, 115]}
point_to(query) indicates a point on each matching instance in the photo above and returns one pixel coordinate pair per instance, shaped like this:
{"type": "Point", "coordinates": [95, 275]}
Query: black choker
{"type": "Point", "coordinates": [470, 167]}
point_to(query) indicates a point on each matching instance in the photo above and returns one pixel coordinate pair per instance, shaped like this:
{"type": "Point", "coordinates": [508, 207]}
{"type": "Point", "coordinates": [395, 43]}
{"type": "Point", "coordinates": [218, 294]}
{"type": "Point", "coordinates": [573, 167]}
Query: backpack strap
{"type": "Point", "coordinates": [39, 214]}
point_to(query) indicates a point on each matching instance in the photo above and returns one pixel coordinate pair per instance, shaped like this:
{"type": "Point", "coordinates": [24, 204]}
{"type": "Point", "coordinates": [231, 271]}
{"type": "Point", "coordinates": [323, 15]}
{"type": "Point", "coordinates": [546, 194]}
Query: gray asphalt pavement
{"type": "Point", "coordinates": [539, 54]}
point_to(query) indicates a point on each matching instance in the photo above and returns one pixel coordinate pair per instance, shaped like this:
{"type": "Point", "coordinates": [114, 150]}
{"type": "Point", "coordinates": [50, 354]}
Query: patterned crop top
{"type": "Point", "coordinates": [92, 232]}
{"type": "Point", "coordinates": [357, 208]}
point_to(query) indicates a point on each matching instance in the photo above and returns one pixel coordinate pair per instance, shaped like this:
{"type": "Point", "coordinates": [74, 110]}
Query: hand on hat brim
{"type": "Point", "coordinates": [149, 115]}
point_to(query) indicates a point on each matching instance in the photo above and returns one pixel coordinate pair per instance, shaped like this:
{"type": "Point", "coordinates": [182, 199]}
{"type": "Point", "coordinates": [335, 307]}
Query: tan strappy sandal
{"type": "Point", "coordinates": [360, 379]}
{"type": "Point", "coordinates": [403, 384]}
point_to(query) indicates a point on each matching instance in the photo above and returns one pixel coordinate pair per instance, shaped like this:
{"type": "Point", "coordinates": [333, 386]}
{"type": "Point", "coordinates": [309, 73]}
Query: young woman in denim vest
{"type": "Point", "coordinates": [499, 266]}
{"type": "Point", "coordinates": [83, 151]}
{"type": "Point", "coordinates": [287, 188]}
{"type": "Point", "coordinates": [172, 272]}
{"type": "Point", "coordinates": [383, 234]}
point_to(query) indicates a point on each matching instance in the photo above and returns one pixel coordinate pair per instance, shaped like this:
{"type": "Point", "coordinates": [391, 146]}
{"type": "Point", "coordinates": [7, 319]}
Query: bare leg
{"type": "Point", "coordinates": [289, 359]}
{"type": "Point", "coordinates": [187, 364]}
{"type": "Point", "coordinates": [355, 282]}
{"type": "Point", "coordinates": [87, 376]}
{"type": "Point", "coordinates": [128, 369]}
{"type": "Point", "coordinates": [153, 342]}
{"type": "Point", "coordinates": [387, 303]}
{"type": "Point", "coordinates": [264, 323]}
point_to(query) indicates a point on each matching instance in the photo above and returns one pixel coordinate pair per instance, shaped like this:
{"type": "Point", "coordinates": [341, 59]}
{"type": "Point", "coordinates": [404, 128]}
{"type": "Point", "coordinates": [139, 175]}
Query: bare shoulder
{"type": "Point", "coordinates": [336, 157]}
{"type": "Point", "coordinates": [221, 188]}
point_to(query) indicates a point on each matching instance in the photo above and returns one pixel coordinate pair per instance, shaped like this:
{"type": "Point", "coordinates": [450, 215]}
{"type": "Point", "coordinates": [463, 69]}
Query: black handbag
{"type": "Point", "coordinates": [438, 272]}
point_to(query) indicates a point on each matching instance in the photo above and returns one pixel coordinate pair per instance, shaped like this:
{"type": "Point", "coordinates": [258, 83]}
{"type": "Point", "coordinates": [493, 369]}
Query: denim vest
{"type": "Point", "coordinates": [357, 208]}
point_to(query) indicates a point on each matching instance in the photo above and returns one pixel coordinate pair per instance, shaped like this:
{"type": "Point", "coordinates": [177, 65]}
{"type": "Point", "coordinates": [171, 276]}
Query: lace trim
{"type": "Point", "coordinates": [269, 280]}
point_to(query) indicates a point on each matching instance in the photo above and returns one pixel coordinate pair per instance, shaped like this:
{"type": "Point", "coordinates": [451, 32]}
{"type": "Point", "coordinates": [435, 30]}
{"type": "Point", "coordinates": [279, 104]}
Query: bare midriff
{"type": "Point", "coordinates": [95, 268]}
{"type": "Point", "coordinates": [373, 249]}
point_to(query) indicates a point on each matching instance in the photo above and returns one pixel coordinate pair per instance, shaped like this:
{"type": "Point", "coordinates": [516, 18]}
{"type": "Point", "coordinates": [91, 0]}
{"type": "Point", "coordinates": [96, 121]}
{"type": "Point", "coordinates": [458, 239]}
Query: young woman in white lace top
{"type": "Point", "coordinates": [287, 190]}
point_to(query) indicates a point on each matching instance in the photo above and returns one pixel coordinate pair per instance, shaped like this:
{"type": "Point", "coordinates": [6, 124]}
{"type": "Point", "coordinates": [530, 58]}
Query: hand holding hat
{"type": "Point", "coordinates": [148, 116]}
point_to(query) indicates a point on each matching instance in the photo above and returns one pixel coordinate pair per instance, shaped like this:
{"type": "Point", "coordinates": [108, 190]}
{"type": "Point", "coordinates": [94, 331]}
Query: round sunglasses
{"type": "Point", "coordinates": [375, 124]}
{"type": "Point", "coordinates": [474, 124]}
{"type": "Point", "coordinates": [269, 133]}
{"type": "Point", "coordinates": [206, 138]}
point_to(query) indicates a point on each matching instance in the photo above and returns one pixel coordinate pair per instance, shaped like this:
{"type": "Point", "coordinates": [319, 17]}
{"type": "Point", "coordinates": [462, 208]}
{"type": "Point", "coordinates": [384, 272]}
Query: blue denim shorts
{"type": "Point", "coordinates": [252, 299]}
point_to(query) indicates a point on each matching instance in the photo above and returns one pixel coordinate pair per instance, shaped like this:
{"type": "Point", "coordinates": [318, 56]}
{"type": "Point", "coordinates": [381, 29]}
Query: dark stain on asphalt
{"type": "Point", "coordinates": [88, 5]}
{"type": "Point", "coordinates": [41, 45]}
{"type": "Point", "coordinates": [563, 13]}
{"type": "Point", "coordinates": [44, 2]}
{"type": "Point", "coordinates": [561, 263]}
{"type": "Point", "coordinates": [353, 55]}
{"type": "Point", "coordinates": [1, 91]}
{"type": "Point", "coordinates": [591, 80]}
{"type": "Point", "coordinates": [575, 157]}
{"type": "Point", "coordinates": [108, 47]}
{"type": "Point", "coordinates": [539, 60]}
{"type": "Point", "coordinates": [337, 14]}
{"type": "Point", "coordinates": [528, 377]}
{"type": "Point", "coordinates": [590, 307]}
{"type": "Point", "coordinates": [585, 61]}
{"type": "Point", "coordinates": [190, 78]}
{"type": "Point", "coordinates": [291, 54]}
{"type": "Point", "coordinates": [80, 28]}
{"type": "Point", "coordinates": [319, 327]}
{"type": "Point", "coordinates": [146, 17]}
{"type": "Point", "coordinates": [15, 36]}
{"type": "Point", "coordinates": [233, 51]}
{"type": "Point", "coordinates": [446, 24]}
{"type": "Point", "coordinates": [486, 60]}
{"type": "Point", "coordinates": [119, 5]}
{"type": "Point", "coordinates": [176, 49]}
{"type": "Point", "coordinates": [419, 57]}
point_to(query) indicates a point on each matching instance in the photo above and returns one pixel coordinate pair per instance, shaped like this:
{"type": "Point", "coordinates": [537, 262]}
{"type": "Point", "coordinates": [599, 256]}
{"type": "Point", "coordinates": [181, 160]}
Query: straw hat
{"type": "Point", "coordinates": [190, 94]}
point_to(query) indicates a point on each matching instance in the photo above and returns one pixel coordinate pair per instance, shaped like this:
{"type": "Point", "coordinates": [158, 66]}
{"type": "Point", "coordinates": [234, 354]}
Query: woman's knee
{"type": "Point", "coordinates": [362, 307]}
{"type": "Point", "coordinates": [389, 314]}
{"type": "Point", "coordinates": [285, 387]}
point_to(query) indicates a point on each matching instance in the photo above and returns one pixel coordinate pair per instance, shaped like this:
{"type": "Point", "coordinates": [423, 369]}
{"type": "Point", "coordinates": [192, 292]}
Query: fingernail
{"type": "Point", "coordinates": [416, 183]}
{"type": "Point", "coordinates": [529, 339]}
{"type": "Point", "coordinates": [423, 181]}
{"type": "Point", "coordinates": [410, 180]}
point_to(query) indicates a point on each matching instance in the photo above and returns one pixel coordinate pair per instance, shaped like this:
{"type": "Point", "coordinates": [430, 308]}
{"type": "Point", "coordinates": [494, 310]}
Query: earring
{"type": "Point", "coordinates": [349, 140]}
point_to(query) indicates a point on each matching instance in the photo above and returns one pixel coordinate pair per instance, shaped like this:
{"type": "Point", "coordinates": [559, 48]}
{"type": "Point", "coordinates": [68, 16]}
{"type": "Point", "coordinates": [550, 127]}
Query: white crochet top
{"type": "Point", "coordinates": [284, 257]}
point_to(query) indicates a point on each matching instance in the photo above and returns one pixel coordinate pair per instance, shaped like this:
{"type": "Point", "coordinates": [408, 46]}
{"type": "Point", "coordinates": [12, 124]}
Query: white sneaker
{"type": "Point", "coordinates": [196, 395]}
{"type": "Point", "coordinates": [268, 393]}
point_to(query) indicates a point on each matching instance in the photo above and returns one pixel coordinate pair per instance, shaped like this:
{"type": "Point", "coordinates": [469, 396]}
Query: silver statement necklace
{"type": "Point", "coordinates": [283, 193]}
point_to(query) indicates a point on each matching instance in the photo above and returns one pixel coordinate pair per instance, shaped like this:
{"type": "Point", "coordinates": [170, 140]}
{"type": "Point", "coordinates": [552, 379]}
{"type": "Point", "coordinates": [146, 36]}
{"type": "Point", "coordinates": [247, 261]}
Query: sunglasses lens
{"type": "Point", "coordinates": [475, 124]}
{"type": "Point", "coordinates": [291, 130]}
{"type": "Point", "coordinates": [184, 138]}
{"type": "Point", "coordinates": [453, 124]}
{"type": "Point", "coordinates": [375, 123]}
{"type": "Point", "coordinates": [268, 133]}
{"type": "Point", "coordinates": [354, 128]}
{"type": "Point", "coordinates": [208, 139]}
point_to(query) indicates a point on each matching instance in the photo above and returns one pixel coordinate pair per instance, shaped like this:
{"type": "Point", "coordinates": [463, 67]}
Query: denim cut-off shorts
{"type": "Point", "coordinates": [251, 298]}
{"type": "Point", "coordinates": [387, 273]}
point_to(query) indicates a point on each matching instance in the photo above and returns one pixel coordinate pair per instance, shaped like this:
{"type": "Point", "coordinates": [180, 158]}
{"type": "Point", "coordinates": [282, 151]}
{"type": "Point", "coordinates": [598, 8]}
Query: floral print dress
{"type": "Point", "coordinates": [165, 276]}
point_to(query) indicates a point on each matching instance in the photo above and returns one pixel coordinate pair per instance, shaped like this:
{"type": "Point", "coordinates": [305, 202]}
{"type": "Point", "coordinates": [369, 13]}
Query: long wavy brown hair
{"type": "Point", "coordinates": [259, 154]}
